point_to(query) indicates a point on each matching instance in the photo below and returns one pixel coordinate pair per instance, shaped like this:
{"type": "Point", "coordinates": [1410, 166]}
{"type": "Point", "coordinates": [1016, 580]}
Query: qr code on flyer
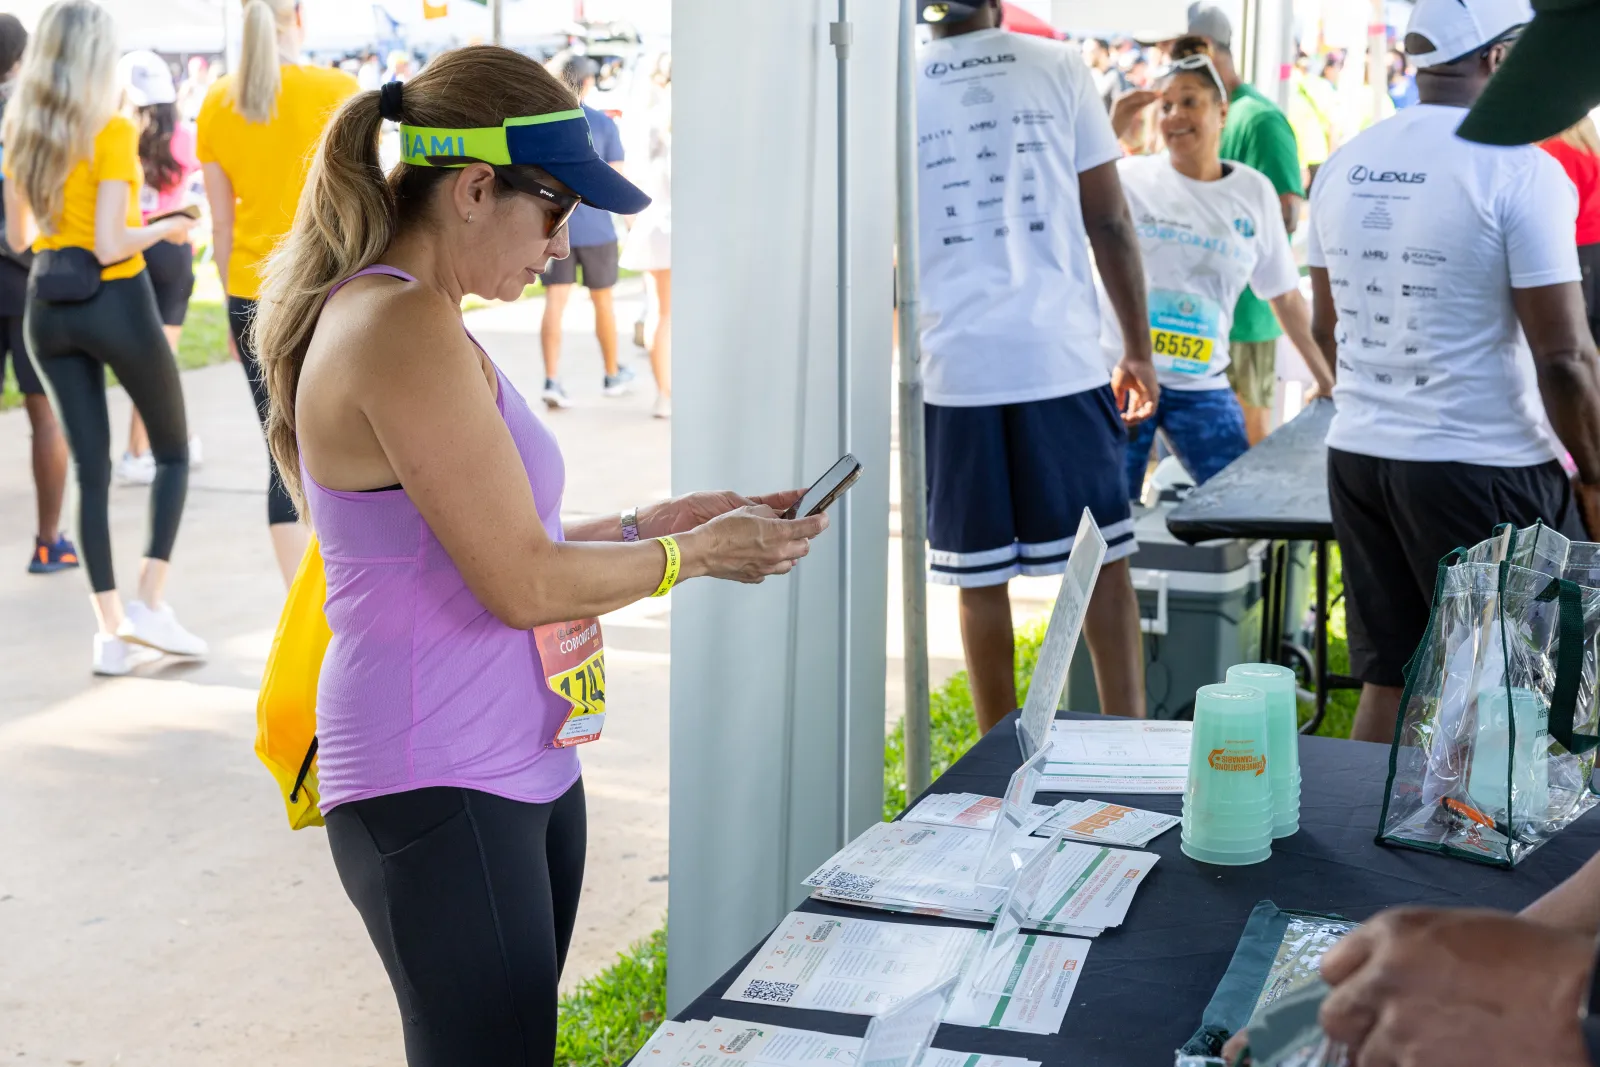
{"type": "Point", "coordinates": [848, 885]}
{"type": "Point", "coordinates": [771, 992]}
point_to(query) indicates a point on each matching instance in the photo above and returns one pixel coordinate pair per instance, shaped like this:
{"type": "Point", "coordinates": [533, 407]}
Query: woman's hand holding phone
{"type": "Point", "coordinates": [748, 544]}
{"type": "Point", "coordinates": [684, 513]}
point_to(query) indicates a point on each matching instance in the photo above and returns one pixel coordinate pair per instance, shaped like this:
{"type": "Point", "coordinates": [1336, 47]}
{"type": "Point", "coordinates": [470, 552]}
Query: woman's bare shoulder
{"type": "Point", "coordinates": [383, 328]}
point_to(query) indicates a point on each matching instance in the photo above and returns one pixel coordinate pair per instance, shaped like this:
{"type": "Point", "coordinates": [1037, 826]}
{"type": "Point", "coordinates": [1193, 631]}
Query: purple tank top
{"type": "Point", "coordinates": [421, 685]}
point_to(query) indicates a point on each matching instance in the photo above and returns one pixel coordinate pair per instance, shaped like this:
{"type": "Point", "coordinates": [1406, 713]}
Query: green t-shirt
{"type": "Point", "coordinates": [1258, 135]}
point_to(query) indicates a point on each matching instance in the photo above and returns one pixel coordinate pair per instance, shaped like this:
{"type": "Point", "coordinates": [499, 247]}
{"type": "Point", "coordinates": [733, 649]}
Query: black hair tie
{"type": "Point", "coordinates": [389, 100]}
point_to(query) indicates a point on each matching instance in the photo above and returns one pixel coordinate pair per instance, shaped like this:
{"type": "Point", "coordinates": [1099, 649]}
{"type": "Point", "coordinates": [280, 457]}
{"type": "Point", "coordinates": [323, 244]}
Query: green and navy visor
{"type": "Point", "coordinates": [559, 143]}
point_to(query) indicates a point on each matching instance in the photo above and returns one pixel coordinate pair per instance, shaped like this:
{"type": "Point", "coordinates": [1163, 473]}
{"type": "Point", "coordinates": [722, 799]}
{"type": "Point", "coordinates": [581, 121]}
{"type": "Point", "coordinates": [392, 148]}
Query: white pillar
{"type": "Point", "coordinates": [760, 791]}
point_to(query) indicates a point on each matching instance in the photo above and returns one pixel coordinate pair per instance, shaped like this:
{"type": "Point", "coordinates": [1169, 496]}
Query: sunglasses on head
{"type": "Point", "coordinates": [563, 203]}
{"type": "Point", "coordinates": [1189, 64]}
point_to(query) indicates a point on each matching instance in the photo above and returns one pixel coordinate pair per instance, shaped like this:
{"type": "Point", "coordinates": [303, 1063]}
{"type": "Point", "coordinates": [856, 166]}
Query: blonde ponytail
{"type": "Point", "coordinates": [66, 91]}
{"type": "Point", "coordinates": [349, 212]}
{"type": "Point", "coordinates": [255, 86]}
{"type": "Point", "coordinates": [345, 220]}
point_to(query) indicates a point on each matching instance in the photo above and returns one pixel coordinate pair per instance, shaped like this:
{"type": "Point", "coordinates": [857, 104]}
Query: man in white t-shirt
{"type": "Point", "coordinates": [1446, 293]}
{"type": "Point", "coordinates": [1018, 180]}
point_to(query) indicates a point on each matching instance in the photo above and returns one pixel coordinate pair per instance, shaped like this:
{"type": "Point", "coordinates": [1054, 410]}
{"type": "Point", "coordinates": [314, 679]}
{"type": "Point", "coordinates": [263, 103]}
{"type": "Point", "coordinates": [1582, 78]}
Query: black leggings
{"type": "Point", "coordinates": [470, 899]}
{"type": "Point", "coordinates": [73, 345]}
{"type": "Point", "coordinates": [280, 505]}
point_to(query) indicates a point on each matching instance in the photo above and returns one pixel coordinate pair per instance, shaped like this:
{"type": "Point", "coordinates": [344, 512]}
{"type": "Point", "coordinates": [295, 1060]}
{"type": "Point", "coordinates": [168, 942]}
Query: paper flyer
{"type": "Point", "coordinates": [1107, 824]}
{"type": "Point", "coordinates": [667, 1045]}
{"type": "Point", "coordinates": [864, 967]}
{"type": "Point", "coordinates": [1048, 965]}
{"type": "Point", "coordinates": [857, 966]}
{"type": "Point", "coordinates": [736, 1043]}
{"type": "Point", "coordinates": [960, 809]}
{"type": "Point", "coordinates": [908, 861]}
{"type": "Point", "coordinates": [1136, 756]}
{"type": "Point", "coordinates": [927, 870]}
{"type": "Point", "coordinates": [1090, 887]}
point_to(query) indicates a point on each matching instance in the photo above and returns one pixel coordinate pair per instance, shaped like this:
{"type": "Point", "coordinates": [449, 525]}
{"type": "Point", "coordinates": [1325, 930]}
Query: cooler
{"type": "Point", "coordinates": [1200, 611]}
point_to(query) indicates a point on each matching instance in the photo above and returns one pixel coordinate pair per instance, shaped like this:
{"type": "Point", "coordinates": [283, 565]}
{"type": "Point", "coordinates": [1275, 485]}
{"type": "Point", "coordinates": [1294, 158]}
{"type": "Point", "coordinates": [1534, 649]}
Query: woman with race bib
{"type": "Point", "coordinates": [1206, 229]}
{"type": "Point", "coordinates": [466, 660]}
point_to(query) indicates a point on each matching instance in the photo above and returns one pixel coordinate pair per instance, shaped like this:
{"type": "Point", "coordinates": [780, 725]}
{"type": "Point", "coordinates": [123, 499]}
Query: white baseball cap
{"type": "Point", "coordinates": [147, 78]}
{"type": "Point", "coordinates": [1457, 27]}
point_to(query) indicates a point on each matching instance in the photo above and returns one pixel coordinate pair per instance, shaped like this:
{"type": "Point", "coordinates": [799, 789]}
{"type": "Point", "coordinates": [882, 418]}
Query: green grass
{"type": "Point", "coordinates": [606, 1019]}
{"type": "Point", "coordinates": [954, 724]}
{"type": "Point", "coordinates": [1341, 711]}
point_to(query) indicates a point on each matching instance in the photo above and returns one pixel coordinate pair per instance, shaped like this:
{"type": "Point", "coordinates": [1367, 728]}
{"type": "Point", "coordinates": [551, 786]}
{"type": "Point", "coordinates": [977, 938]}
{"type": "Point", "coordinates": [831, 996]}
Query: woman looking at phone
{"type": "Point", "coordinates": [449, 786]}
{"type": "Point", "coordinates": [72, 188]}
{"type": "Point", "coordinates": [1206, 229]}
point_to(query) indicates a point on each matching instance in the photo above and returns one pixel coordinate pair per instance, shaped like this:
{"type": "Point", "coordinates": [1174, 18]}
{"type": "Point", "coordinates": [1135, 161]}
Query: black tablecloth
{"type": "Point", "coordinates": [1278, 489]}
{"type": "Point", "coordinates": [1146, 983]}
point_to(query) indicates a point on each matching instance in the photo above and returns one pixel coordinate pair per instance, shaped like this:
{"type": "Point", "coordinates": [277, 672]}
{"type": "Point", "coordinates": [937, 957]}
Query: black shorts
{"type": "Point", "coordinates": [171, 269]}
{"type": "Point", "coordinates": [12, 341]}
{"type": "Point", "coordinates": [599, 263]}
{"type": "Point", "coordinates": [1007, 485]}
{"type": "Point", "coordinates": [1395, 519]}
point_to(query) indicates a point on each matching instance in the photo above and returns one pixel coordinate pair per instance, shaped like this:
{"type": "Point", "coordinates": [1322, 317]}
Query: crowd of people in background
{"type": "Point", "coordinates": [212, 162]}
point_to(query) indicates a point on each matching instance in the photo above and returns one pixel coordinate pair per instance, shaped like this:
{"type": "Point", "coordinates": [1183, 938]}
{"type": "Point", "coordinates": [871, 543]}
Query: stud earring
{"type": "Point", "coordinates": [469, 216]}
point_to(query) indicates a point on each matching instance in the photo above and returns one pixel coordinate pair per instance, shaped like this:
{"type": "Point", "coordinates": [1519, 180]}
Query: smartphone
{"type": "Point", "coordinates": [188, 211]}
{"type": "Point", "coordinates": [826, 489]}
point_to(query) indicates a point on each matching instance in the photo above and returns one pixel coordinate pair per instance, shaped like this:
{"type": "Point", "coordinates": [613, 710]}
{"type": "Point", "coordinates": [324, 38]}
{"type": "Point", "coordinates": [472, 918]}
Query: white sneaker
{"type": "Point", "coordinates": [663, 408]}
{"type": "Point", "coordinates": [196, 456]}
{"type": "Point", "coordinates": [136, 470]}
{"type": "Point", "coordinates": [114, 657]}
{"type": "Point", "coordinates": [554, 396]}
{"type": "Point", "coordinates": [158, 628]}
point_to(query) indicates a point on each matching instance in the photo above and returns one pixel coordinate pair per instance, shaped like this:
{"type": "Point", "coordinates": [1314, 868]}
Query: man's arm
{"type": "Point", "coordinates": [1116, 254]}
{"type": "Point", "coordinates": [1325, 320]}
{"type": "Point", "coordinates": [1554, 321]}
{"type": "Point", "coordinates": [1452, 986]}
{"type": "Point", "coordinates": [1290, 203]}
{"type": "Point", "coordinates": [1574, 904]}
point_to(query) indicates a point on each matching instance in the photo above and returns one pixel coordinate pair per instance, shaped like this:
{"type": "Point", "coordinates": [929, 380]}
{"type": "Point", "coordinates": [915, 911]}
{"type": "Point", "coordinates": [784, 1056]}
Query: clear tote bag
{"type": "Point", "coordinates": [1493, 751]}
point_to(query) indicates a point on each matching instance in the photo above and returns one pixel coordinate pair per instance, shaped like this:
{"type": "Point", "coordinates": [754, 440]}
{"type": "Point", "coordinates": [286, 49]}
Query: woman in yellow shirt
{"type": "Point", "coordinates": [72, 188]}
{"type": "Point", "coordinates": [258, 130]}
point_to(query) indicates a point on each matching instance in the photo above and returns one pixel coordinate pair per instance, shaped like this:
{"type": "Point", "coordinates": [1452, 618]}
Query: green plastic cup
{"type": "Point", "coordinates": [1283, 738]}
{"type": "Point", "coordinates": [1228, 809]}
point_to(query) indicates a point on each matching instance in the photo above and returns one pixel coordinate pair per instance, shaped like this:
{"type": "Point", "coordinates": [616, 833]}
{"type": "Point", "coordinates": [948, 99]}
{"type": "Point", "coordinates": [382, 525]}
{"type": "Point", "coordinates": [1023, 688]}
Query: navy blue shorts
{"type": "Point", "coordinates": [1008, 483]}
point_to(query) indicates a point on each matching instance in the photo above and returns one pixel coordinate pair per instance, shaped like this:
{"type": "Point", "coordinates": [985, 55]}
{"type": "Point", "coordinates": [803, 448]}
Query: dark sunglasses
{"type": "Point", "coordinates": [563, 203]}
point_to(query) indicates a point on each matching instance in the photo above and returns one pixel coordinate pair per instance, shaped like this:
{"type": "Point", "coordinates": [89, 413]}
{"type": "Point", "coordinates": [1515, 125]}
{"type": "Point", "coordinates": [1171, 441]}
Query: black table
{"type": "Point", "coordinates": [1146, 983]}
{"type": "Point", "coordinates": [1277, 491]}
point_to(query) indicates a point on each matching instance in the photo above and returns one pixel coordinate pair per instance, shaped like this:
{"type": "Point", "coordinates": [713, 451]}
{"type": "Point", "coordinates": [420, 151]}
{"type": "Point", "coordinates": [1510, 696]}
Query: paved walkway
{"type": "Point", "coordinates": [154, 907]}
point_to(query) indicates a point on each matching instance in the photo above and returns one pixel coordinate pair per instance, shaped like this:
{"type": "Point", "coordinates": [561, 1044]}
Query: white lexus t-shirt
{"type": "Point", "coordinates": [1005, 123]}
{"type": "Point", "coordinates": [1424, 236]}
{"type": "Point", "coordinates": [1202, 243]}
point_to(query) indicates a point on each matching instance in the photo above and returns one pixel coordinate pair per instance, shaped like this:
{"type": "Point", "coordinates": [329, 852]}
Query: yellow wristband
{"type": "Point", "coordinates": [669, 578]}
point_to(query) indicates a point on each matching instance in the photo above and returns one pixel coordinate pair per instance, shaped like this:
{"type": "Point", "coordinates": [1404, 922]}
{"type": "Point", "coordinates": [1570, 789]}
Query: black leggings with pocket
{"type": "Point", "coordinates": [73, 344]}
{"type": "Point", "coordinates": [280, 505]}
{"type": "Point", "coordinates": [470, 899]}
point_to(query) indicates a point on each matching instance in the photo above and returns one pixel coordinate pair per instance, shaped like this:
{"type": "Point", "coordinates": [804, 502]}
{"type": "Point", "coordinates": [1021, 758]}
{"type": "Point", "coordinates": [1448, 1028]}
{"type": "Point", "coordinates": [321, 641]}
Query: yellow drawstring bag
{"type": "Point", "coordinates": [286, 711]}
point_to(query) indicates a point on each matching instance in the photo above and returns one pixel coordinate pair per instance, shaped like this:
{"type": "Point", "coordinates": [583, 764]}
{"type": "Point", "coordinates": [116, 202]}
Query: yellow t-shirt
{"type": "Point", "coordinates": [267, 162]}
{"type": "Point", "coordinates": [115, 158]}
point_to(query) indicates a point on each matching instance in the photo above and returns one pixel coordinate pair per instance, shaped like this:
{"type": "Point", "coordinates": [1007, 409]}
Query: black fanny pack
{"type": "Point", "coordinates": [66, 275]}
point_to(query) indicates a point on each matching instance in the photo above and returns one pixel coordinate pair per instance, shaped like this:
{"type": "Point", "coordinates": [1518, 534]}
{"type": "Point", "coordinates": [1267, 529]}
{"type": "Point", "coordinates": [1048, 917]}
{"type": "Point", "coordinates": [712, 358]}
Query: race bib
{"type": "Point", "coordinates": [1183, 331]}
{"type": "Point", "coordinates": [574, 659]}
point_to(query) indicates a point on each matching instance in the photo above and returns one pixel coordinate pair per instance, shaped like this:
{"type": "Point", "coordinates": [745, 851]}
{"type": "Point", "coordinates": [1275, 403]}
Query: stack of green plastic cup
{"type": "Point", "coordinates": [1227, 804]}
{"type": "Point", "coordinates": [1283, 739]}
